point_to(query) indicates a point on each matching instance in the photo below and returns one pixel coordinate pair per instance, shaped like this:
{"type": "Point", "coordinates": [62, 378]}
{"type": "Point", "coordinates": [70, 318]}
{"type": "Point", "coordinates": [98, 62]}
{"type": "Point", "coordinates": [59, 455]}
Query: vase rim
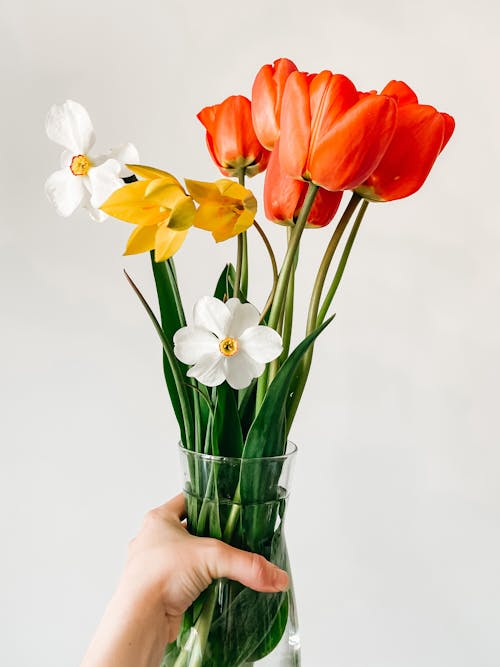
{"type": "Point", "coordinates": [291, 450]}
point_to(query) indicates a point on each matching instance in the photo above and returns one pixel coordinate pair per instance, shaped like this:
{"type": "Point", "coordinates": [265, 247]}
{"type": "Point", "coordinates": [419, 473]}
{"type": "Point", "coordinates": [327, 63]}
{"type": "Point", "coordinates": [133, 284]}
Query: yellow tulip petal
{"type": "Point", "coordinates": [142, 239]}
{"type": "Point", "coordinates": [200, 190]}
{"type": "Point", "coordinates": [238, 192]}
{"type": "Point", "coordinates": [152, 173]}
{"type": "Point", "coordinates": [160, 191]}
{"type": "Point", "coordinates": [128, 204]}
{"type": "Point", "coordinates": [231, 189]}
{"type": "Point", "coordinates": [167, 242]}
{"type": "Point", "coordinates": [244, 221]}
{"type": "Point", "coordinates": [211, 215]}
{"type": "Point", "coordinates": [224, 232]}
{"type": "Point", "coordinates": [182, 216]}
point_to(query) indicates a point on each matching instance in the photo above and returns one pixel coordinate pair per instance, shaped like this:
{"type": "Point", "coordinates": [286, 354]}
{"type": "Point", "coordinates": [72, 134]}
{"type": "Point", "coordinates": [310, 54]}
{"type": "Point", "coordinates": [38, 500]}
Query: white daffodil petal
{"type": "Point", "coordinates": [191, 344]}
{"type": "Point", "coordinates": [261, 343]}
{"type": "Point", "coordinates": [241, 370]}
{"type": "Point", "coordinates": [66, 158]}
{"type": "Point", "coordinates": [70, 126]}
{"type": "Point", "coordinates": [243, 316]}
{"type": "Point", "coordinates": [104, 180]}
{"type": "Point", "coordinates": [209, 370]}
{"type": "Point", "coordinates": [211, 314]}
{"type": "Point", "coordinates": [125, 154]}
{"type": "Point", "coordinates": [96, 214]}
{"type": "Point", "coordinates": [65, 191]}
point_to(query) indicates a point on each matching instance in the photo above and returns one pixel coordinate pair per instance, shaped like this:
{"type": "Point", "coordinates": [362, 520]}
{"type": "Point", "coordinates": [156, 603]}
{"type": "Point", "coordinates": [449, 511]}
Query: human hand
{"type": "Point", "coordinates": [167, 568]}
{"type": "Point", "coordinates": [166, 560]}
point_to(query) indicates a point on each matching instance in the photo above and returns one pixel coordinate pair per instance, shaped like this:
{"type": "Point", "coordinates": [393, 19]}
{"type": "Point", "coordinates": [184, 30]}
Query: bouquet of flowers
{"type": "Point", "coordinates": [234, 383]}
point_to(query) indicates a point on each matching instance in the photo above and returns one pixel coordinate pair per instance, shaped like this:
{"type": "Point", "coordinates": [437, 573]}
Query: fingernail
{"type": "Point", "coordinates": [280, 579]}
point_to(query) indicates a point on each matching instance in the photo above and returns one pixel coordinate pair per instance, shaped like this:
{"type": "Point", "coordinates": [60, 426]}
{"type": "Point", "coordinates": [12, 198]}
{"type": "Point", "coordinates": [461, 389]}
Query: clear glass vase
{"type": "Point", "coordinates": [243, 502]}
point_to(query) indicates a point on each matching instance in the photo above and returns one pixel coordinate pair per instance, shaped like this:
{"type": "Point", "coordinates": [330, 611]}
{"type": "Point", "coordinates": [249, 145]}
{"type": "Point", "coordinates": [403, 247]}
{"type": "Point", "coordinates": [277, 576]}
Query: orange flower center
{"type": "Point", "coordinates": [228, 347]}
{"type": "Point", "coordinates": [80, 164]}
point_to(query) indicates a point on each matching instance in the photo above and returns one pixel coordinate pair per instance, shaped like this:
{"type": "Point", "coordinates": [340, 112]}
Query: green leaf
{"type": "Point", "coordinates": [246, 406]}
{"type": "Point", "coordinates": [227, 438]}
{"type": "Point", "coordinates": [268, 431]}
{"type": "Point", "coordinates": [172, 318]}
{"type": "Point", "coordinates": [275, 633]}
{"type": "Point", "coordinates": [185, 416]}
{"type": "Point", "coordinates": [169, 300]}
{"type": "Point", "coordinates": [225, 284]}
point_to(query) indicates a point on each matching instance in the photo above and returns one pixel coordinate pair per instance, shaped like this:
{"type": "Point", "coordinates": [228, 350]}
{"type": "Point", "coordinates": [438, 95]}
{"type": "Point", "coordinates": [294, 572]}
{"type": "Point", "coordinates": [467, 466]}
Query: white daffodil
{"type": "Point", "coordinates": [83, 180]}
{"type": "Point", "coordinates": [226, 342]}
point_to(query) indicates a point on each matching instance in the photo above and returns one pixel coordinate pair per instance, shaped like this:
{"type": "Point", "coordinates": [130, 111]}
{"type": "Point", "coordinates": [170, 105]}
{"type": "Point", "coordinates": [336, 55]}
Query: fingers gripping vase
{"type": "Point", "coordinates": [243, 502]}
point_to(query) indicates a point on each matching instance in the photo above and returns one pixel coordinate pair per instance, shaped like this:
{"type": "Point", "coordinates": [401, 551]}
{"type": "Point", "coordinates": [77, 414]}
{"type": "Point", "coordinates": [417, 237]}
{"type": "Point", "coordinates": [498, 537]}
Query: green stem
{"type": "Point", "coordinates": [284, 277]}
{"type": "Point", "coordinates": [232, 518]}
{"type": "Point", "coordinates": [241, 277]}
{"type": "Point", "coordinates": [239, 261]}
{"type": "Point", "coordinates": [312, 318]}
{"type": "Point", "coordinates": [342, 264]}
{"type": "Point", "coordinates": [191, 654]}
{"type": "Point", "coordinates": [286, 329]}
{"type": "Point", "coordinates": [244, 266]}
{"type": "Point", "coordinates": [274, 267]}
{"type": "Point", "coordinates": [197, 422]}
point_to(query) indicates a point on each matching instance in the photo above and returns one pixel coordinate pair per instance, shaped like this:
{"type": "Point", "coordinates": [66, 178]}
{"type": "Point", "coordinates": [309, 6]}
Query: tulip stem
{"type": "Point", "coordinates": [244, 266]}
{"type": "Point", "coordinates": [286, 319]}
{"type": "Point", "coordinates": [288, 322]}
{"type": "Point", "coordinates": [274, 267]}
{"type": "Point", "coordinates": [342, 264]}
{"type": "Point", "coordinates": [283, 279]}
{"type": "Point", "coordinates": [241, 277]}
{"type": "Point", "coordinates": [312, 318]}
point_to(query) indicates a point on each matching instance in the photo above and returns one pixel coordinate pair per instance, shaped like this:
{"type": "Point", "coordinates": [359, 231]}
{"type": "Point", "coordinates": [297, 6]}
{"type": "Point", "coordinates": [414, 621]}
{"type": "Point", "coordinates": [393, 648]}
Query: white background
{"type": "Point", "coordinates": [394, 523]}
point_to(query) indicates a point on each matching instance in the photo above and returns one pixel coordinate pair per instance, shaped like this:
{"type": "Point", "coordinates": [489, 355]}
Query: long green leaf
{"type": "Point", "coordinates": [246, 406]}
{"type": "Point", "coordinates": [265, 437]}
{"type": "Point", "coordinates": [172, 319]}
{"type": "Point", "coordinates": [186, 421]}
{"type": "Point", "coordinates": [227, 438]}
{"type": "Point", "coordinates": [225, 284]}
{"type": "Point", "coordinates": [169, 300]}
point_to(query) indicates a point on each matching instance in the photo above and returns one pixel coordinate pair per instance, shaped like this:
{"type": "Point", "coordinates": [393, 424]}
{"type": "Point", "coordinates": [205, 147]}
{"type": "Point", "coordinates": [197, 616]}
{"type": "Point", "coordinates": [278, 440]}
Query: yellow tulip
{"type": "Point", "coordinates": [225, 208]}
{"type": "Point", "coordinates": [159, 207]}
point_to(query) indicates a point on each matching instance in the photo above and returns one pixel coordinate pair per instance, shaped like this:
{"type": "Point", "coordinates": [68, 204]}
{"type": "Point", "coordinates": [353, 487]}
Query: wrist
{"type": "Point", "coordinates": [133, 631]}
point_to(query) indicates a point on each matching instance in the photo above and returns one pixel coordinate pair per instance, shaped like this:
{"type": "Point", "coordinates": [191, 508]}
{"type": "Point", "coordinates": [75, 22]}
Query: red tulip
{"type": "Point", "coordinates": [328, 134]}
{"type": "Point", "coordinates": [231, 139]}
{"type": "Point", "coordinates": [284, 196]}
{"type": "Point", "coordinates": [421, 134]}
{"type": "Point", "coordinates": [267, 95]}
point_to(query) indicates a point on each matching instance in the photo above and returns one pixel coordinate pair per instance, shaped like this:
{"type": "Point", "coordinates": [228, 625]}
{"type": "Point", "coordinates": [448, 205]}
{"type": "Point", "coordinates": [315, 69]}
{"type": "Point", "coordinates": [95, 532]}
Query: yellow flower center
{"type": "Point", "coordinates": [80, 164]}
{"type": "Point", "coordinates": [228, 347]}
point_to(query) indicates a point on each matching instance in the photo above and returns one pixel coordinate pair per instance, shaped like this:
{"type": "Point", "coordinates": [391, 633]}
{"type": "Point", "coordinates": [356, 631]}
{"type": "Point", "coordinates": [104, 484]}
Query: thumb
{"type": "Point", "coordinates": [249, 569]}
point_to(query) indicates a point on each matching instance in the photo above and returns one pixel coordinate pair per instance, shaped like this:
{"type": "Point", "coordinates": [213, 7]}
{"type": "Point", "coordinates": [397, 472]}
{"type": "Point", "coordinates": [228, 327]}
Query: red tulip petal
{"type": "Point", "coordinates": [230, 130]}
{"type": "Point", "coordinates": [264, 117]}
{"type": "Point", "coordinates": [413, 150]}
{"type": "Point", "coordinates": [331, 96]}
{"type": "Point", "coordinates": [449, 127]}
{"type": "Point", "coordinates": [401, 92]}
{"type": "Point", "coordinates": [349, 153]}
{"type": "Point", "coordinates": [324, 207]}
{"type": "Point", "coordinates": [282, 193]}
{"type": "Point", "coordinates": [267, 95]}
{"type": "Point", "coordinates": [295, 123]}
{"type": "Point", "coordinates": [207, 117]}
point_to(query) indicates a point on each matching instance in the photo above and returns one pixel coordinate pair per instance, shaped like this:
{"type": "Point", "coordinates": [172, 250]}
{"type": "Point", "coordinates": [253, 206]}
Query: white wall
{"type": "Point", "coordinates": [394, 525]}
